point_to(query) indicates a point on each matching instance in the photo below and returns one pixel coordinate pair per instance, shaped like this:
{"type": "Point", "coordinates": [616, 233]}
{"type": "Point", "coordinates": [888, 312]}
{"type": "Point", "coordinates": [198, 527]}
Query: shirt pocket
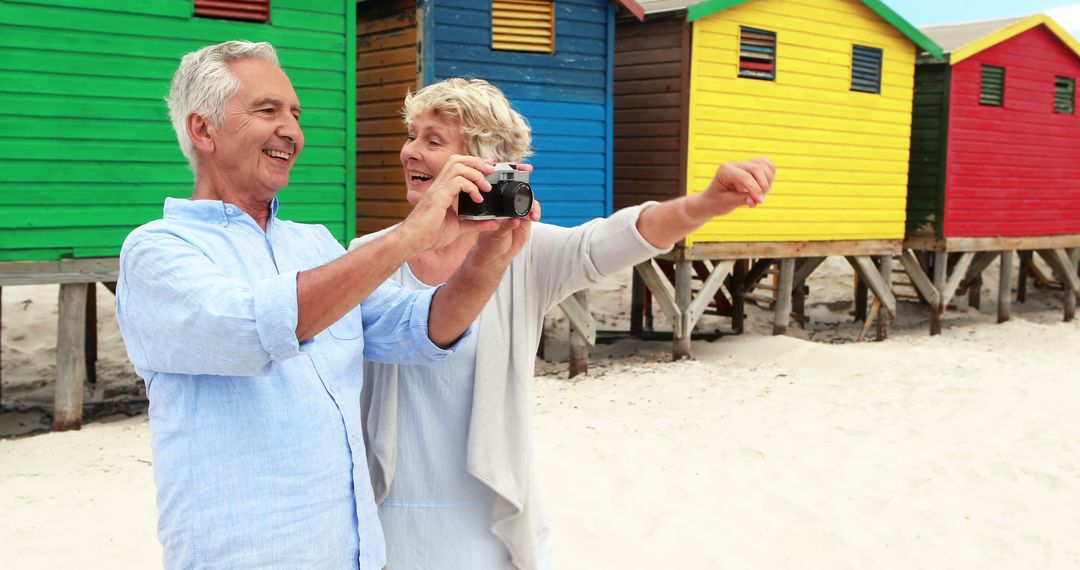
{"type": "Point", "coordinates": [348, 327]}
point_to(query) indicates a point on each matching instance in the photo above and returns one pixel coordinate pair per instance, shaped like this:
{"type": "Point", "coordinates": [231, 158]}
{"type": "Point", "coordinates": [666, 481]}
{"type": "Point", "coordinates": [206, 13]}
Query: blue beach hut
{"type": "Point", "coordinates": [552, 59]}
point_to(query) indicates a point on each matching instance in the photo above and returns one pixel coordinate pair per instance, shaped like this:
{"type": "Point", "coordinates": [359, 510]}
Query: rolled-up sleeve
{"type": "Point", "coordinates": [179, 313]}
{"type": "Point", "coordinates": [396, 326]}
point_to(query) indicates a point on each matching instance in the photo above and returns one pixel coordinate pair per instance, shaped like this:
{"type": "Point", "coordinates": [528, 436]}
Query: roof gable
{"type": "Point", "coordinates": [961, 41]}
{"type": "Point", "coordinates": [710, 7]}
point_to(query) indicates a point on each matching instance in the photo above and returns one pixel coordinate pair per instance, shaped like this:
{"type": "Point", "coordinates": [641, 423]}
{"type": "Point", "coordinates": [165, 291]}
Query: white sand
{"type": "Point", "coordinates": [958, 451]}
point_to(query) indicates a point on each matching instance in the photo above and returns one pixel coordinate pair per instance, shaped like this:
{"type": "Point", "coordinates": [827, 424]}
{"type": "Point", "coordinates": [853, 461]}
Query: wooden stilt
{"type": "Point", "coordinates": [582, 331]}
{"type": "Point", "coordinates": [1022, 276]}
{"type": "Point", "coordinates": [70, 357]}
{"type": "Point", "coordinates": [937, 311]}
{"type": "Point", "coordinates": [91, 334]}
{"type": "Point", "coordinates": [1073, 254]}
{"type": "Point", "coordinates": [1005, 287]}
{"type": "Point", "coordinates": [683, 275]}
{"type": "Point", "coordinates": [871, 316]}
{"type": "Point", "coordinates": [861, 295]}
{"type": "Point", "coordinates": [782, 314]}
{"type": "Point", "coordinates": [884, 320]}
{"type": "Point", "coordinates": [738, 292]}
{"type": "Point", "coordinates": [975, 293]}
{"type": "Point", "coordinates": [637, 304]}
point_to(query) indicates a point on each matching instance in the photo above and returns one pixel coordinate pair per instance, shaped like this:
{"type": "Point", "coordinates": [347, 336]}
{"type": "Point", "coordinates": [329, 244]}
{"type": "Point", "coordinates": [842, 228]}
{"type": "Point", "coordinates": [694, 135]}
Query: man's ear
{"type": "Point", "coordinates": [201, 132]}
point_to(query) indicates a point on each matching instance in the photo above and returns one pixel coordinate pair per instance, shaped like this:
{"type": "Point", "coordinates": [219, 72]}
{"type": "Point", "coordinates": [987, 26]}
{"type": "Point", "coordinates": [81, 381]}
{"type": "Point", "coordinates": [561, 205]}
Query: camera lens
{"type": "Point", "coordinates": [517, 199]}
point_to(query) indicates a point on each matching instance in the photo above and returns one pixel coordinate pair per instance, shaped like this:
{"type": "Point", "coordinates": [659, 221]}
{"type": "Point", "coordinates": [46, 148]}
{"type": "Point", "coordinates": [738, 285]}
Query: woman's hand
{"type": "Point", "coordinates": [434, 222]}
{"type": "Point", "coordinates": [741, 183]}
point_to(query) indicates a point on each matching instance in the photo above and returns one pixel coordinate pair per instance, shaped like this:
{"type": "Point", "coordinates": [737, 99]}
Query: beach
{"type": "Point", "coordinates": [801, 451]}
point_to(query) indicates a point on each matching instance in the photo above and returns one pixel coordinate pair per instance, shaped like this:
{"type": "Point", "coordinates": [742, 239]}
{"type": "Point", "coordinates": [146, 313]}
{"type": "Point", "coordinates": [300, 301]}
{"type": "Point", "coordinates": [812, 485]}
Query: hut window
{"type": "Point", "coordinates": [865, 69]}
{"type": "Point", "coordinates": [243, 10]}
{"type": "Point", "coordinates": [757, 53]}
{"type": "Point", "coordinates": [1064, 95]}
{"type": "Point", "coordinates": [992, 91]}
{"type": "Point", "coordinates": [523, 25]}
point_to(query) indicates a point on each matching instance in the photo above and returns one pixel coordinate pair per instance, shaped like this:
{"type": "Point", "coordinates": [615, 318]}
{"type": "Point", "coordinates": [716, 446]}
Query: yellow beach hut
{"type": "Point", "coordinates": [822, 87]}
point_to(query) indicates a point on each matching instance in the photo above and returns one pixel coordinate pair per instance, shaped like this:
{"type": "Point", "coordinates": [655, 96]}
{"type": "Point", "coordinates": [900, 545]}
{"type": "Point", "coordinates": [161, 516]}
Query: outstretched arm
{"type": "Point", "coordinates": [734, 184]}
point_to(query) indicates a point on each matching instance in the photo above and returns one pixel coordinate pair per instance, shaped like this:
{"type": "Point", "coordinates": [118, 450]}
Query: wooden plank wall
{"type": "Point", "coordinates": [651, 76]}
{"type": "Point", "coordinates": [926, 170]}
{"type": "Point", "coordinates": [565, 96]}
{"type": "Point", "coordinates": [1013, 170]}
{"type": "Point", "coordinates": [385, 72]}
{"type": "Point", "coordinates": [89, 151]}
{"type": "Point", "coordinates": [842, 155]}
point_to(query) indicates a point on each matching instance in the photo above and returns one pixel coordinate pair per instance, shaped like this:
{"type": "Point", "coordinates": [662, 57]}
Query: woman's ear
{"type": "Point", "coordinates": [201, 132]}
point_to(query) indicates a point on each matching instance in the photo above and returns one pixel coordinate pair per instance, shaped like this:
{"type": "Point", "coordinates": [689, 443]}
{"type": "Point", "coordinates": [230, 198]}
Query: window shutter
{"type": "Point", "coordinates": [1064, 95]}
{"type": "Point", "coordinates": [757, 53]}
{"type": "Point", "coordinates": [243, 10]}
{"type": "Point", "coordinates": [992, 91]}
{"type": "Point", "coordinates": [523, 25]}
{"type": "Point", "coordinates": [866, 69]}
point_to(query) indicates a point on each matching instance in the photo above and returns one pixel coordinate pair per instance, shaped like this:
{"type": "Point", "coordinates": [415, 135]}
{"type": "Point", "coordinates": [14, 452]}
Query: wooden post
{"type": "Point", "coordinates": [579, 343]}
{"type": "Point", "coordinates": [70, 357]}
{"type": "Point", "coordinates": [1022, 276]}
{"type": "Point", "coordinates": [738, 296]}
{"type": "Point", "coordinates": [683, 276]}
{"type": "Point", "coordinates": [861, 296]}
{"type": "Point", "coordinates": [637, 304]}
{"type": "Point", "coordinates": [1005, 287]}
{"type": "Point", "coordinates": [91, 334]}
{"type": "Point", "coordinates": [975, 293]}
{"type": "Point", "coordinates": [941, 272]}
{"type": "Point", "coordinates": [1070, 292]}
{"type": "Point", "coordinates": [782, 315]}
{"type": "Point", "coordinates": [884, 319]}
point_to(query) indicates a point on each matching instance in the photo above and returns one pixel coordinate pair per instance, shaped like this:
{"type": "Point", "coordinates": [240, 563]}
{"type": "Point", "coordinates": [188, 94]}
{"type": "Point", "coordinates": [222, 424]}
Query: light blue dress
{"type": "Point", "coordinates": [436, 514]}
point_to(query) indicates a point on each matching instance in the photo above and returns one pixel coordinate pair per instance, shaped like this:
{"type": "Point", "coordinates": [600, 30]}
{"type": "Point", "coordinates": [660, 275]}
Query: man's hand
{"type": "Point", "coordinates": [742, 183]}
{"type": "Point", "coordinates": [434, 223]}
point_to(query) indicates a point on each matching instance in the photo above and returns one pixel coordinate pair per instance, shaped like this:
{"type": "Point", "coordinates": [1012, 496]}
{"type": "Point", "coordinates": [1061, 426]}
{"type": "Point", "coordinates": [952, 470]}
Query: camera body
{"type": "Point", "coordinates": [510, 196]}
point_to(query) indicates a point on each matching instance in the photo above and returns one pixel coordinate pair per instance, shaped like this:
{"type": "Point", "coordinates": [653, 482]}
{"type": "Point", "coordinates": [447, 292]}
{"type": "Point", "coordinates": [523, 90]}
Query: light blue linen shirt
{"type": "Point", "coordinates": [258, 454]}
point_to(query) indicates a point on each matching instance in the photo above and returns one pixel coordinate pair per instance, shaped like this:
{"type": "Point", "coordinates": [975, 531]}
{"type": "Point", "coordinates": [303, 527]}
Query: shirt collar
{"type": "Point", "coordinates": [213, 211]}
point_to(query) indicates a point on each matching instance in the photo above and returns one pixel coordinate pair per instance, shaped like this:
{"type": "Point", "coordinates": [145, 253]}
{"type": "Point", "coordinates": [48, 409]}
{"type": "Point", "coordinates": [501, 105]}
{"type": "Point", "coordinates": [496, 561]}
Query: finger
{"type": "Point", "coordinates": [759, 172]}
{"type": "Point", "coordinates": [523, 167]}
{"type": "Point", "coordinates": [747, 184]}
{"type": "Point", "coordinates": [534, 213]}
{"type": "Point", "coordinates": [485, 166]}
{"type": "Point", "coordinates": [462, 184]}
{"type": "Point", "coordinates": [477, 226]}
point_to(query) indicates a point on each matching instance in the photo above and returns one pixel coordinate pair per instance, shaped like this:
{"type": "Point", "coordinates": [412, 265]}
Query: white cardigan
{"type": "Point", "coordinates": [553, 264]}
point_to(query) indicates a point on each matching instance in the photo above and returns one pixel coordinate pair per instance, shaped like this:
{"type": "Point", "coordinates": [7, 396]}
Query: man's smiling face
{"type": "Point", "coordinates": [259, 139]}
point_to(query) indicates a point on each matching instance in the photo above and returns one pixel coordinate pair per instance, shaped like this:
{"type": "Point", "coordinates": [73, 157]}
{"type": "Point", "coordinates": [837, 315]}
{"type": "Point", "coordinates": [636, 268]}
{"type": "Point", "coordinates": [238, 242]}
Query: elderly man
{"type": "Point", "coordinates": [250, 330]}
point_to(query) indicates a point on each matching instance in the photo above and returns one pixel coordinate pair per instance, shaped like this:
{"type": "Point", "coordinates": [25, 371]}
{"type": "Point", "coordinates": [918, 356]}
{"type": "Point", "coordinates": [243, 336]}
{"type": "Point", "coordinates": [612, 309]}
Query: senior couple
{"type": "Point", "coordinates": [313, 407]}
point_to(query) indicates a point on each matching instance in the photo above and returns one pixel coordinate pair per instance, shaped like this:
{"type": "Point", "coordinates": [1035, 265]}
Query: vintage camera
{"type": "Point", "coordinates": [510, 196]}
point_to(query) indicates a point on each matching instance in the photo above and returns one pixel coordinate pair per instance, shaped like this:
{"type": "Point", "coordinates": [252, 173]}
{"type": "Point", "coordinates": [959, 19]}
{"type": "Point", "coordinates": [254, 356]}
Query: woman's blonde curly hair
{"type": "Point", "coordinates": [491, 128]}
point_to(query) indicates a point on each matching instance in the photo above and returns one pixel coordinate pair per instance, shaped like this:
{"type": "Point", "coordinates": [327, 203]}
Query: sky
{"type": "Point", "coordinates": [929, 12]}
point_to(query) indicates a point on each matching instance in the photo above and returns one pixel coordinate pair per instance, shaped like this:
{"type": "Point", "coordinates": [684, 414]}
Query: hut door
{"type": "Point", "coordinates": [385, 71]}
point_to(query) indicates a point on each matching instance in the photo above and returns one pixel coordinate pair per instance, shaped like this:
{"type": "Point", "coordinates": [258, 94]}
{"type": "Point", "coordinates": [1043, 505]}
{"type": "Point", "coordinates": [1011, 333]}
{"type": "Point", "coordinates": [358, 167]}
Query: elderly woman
{"type": "Point", "coordinates": [449, 444]}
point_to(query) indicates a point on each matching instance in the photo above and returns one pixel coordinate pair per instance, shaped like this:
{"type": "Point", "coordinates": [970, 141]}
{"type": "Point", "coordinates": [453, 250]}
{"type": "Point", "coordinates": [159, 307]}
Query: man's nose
{"type": "Point", "coordinates": [290, 130]}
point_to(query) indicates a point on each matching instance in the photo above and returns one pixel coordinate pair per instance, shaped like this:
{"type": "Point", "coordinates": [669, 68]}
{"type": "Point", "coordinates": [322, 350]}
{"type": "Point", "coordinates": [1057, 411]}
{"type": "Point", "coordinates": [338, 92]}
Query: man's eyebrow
{"type": "Point", "coordinates": [274, 103]}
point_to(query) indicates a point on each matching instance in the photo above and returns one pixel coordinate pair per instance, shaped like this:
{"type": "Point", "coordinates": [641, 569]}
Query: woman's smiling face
{"type": "Point", "coordinates": [430, 142]}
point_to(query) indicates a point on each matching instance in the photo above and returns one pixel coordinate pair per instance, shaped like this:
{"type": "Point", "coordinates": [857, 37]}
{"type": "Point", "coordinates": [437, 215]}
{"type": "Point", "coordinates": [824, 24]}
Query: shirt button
{"type": "Point", "coordinates": [228, 210]}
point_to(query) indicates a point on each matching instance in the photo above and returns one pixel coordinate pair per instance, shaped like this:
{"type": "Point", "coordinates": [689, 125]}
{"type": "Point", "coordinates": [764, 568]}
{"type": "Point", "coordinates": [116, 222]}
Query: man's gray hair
{"type": "Point", "coordinates": [203, 83]}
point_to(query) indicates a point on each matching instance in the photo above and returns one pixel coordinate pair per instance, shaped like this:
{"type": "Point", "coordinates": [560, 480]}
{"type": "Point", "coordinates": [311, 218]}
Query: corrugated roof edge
{"type": "Point", "coordinates": [709, 7]}
{"type": "Point", "coordinates": [958, 55]}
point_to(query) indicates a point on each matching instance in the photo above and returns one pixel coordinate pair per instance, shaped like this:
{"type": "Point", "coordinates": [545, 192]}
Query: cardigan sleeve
{"type": "Point", "coordinates": [565, 260]}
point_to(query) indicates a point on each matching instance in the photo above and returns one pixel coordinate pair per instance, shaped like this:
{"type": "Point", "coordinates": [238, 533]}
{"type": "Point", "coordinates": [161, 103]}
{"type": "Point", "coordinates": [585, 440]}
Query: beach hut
{"type": "Point", "coordinates": [994, 168]}
{"type": "Point", "coordinates": [90, 153]}
{"type": "Point", "coordinates": [822, 87]}
{"type": "Point", "coordinates": [552, 59]}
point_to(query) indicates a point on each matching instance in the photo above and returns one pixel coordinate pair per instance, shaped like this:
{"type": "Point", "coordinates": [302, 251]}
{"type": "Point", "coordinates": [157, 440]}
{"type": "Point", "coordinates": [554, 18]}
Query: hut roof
{"type": "Point", "coordinates": [961, 41]}
{"type": "Point", "coordinates": [698, 10]}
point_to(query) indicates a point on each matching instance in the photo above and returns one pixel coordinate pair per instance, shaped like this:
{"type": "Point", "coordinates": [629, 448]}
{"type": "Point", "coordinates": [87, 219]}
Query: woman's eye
{"type": "Point", "coordinates": [434, 142]}
{"type": "Point", "coordinates": [410, 138]}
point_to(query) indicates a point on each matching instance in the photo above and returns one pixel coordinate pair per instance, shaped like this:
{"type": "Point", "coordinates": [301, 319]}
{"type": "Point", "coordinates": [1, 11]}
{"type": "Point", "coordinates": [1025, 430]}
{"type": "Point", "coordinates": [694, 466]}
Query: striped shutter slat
{"type": "Point", "coordinates": [866, 69]}
{"type": "Point", "coordinates": [1064, 95]}
{"type": "Point", "coordinates": [523, 25]}
{"type": "Point", "coordinates": [243, 10]}
{"type": "Point", "coordinates": [757, 53]}
{"type": "Point", "coordinates": [992, 90]}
